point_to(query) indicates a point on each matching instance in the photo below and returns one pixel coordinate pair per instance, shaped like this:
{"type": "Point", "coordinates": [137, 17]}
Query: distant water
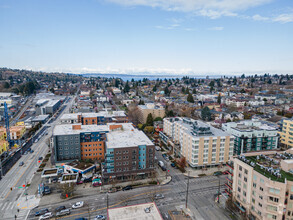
{"type": "Point", "coordinates": [126, 77]}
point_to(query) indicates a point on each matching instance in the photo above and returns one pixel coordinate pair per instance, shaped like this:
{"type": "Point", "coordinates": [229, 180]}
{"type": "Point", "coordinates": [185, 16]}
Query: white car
{"type": "Point", "coordinates": [77, 205]}
{"type": "Point", "coordinates": [46, 216]}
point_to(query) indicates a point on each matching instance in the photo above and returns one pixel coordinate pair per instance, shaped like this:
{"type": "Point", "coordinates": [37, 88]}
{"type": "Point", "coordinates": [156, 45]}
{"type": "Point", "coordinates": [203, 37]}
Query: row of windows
{"type": "Point", "coordinates": [94, 145]}
{"type": "Point", "coordinates": [120, 163]}
{"type": "Point", "coordinates": [94, 154]}
{"type": "Point", "coordinates": [100, 149]}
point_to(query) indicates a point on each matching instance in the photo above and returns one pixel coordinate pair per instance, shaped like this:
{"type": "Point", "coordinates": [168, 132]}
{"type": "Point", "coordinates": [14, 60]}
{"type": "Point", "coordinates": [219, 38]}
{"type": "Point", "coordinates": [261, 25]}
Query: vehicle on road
{"type": "Point", "coordinates": [21, 163]}
{"type": "Point", "coordinates": [77, 205]}
{"type": "Point", "coordinates": [159, 196]}
{"type": "Point", "coordinates": [157, 148]}
{"type": "Point", "coordinates": [81, 219]}
{"type": "Point", "coordinates": [127, 188]}
{"type": "Point", "coordinates": [40, 158]}
{"type": "Point", "coordinates": [161, 163]}
{"type": "Point", "coordinates": [63, 212]}
{"type": "Point", "coordinates": [41, 212]}
{"type": "Point", "coordinates": [47, 190]}
{"type": "Point", "coordinates": [218, 173]}
{"type": "Point", "coordinates": [25, 153]}
{"type": "Point", "coordinates": [79, 182]}
{"type": "Point", "coordinates": [60, 208]}
{"type": "Point", "coordinates": [46, 216]}
{"type": "Point", "coordinates": [87, 180]}
{"type": "Point", "coordinates": [173, 165]}
{"type": "Point", "coordinates": [100, 217]}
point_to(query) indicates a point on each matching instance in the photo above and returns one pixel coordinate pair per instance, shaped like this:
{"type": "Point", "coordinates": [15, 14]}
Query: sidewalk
{"type": "Point", "coordinates": [197, 173]}
{"type": "Point", "coordinates": [28, 203]}
{"type": "Point", "coordinates": [87, 189]}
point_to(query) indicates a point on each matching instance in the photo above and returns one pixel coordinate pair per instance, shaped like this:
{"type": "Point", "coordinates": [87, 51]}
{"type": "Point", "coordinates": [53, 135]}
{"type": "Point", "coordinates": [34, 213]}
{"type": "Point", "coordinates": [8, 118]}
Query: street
{"type": "Point", "coordinates": [21, 175]}
{"type": "Point", "coordinates": [201, 198]}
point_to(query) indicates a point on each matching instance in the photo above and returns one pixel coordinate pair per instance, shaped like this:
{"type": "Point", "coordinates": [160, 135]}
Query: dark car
{"type": "Point", "coordinates": [173, 165]}
{"type": "Point", "coordinates": [81, 219]}
{"type": "Point", "coordinates": [88, 180]}
{"type": "Point", "coordinates": [41, 212]}
{"type": "Point", "coordinates": [127, 188]}
{"type": "Point", "coordinates": [55, 180]}
{"type": "Point", "coordinates": [218, 173]}
{"type": "Point", "coordinates": [163, 168]}
{"type": "Point", "coordinates": [47, 190]}
{"type": "Point", "coordinates": [40, 158]}
{"type": "Point", "coordinates": [60, 208]}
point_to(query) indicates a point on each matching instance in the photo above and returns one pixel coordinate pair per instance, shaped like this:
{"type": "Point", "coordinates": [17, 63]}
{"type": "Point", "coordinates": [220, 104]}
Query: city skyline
{"type": "Point", "coordinates": [155, 36]}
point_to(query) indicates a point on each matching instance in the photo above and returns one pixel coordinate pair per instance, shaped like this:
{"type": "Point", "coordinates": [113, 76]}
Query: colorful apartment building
{"type": "Point", "coordinates": [129, 154]}
{"type": "Point", "coordinates": [100, 118]}
{"type": "Point", "coordinates": [252, 135]}
{"type": "Point", "coordinates": [201, 144]}
{"type": "Point", "coordinates": [263, 185]}
{"type": "Point", "coordinates": [76, 141]}
{"type": "Point", "coordinates": [286, 133]}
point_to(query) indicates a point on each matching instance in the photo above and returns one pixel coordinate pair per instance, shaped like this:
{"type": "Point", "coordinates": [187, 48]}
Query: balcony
{"type": "Point", "coordinates": [109, 161]}
{"type": "Point", "coordinates": [109, 167]}
{"type": "Point", "coordinates": [230, 165]}
{"type": "Point", "coordinates": [228, 186]}
{"type": "Point", "coordinates": [229, 180]}
{"type": "Point", "coordinates": [228, 171]}
{"type": "Point", "coordinates": [109, 155]}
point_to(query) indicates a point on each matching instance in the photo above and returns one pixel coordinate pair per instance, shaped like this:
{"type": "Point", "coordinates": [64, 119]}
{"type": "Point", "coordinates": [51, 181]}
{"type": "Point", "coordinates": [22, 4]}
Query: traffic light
{"type": "Point", "coordinates": [23, 185]}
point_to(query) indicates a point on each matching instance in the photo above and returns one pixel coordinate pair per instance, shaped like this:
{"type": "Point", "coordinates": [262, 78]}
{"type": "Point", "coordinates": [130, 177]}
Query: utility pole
{"type": "Point", "coordinates": [187, 191]}
{"type": "Point", "coordinates": [25, 190]}
{"type": "Point", "coordinates": [107, 202]}
{"type": "Point", "coordinates": [219, 190]}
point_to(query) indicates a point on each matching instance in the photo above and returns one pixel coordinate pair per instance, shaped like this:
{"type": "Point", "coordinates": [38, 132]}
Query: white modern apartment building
{"type": "Point", "coordinates": [201, 144]}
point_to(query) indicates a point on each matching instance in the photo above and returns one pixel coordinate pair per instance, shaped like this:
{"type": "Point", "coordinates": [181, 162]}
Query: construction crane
{"type": "Point", "coordinates": [6, 118]}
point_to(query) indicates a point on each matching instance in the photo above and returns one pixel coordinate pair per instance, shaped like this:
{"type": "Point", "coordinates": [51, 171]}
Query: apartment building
{"type": "Point", "coordinates": [263, 185]}
{"type": "Point", "coordinates": [47, 106]}
{"type": "Point", "coordinates": [286, 133]}
{"type": "Point", "coordinates": [16, 134]}
{"type": "Point", "coordinates": [252, 135]}
{"type": "Point", "coordinates": [156, 110]}
{"type": "Point", "coordinates": [76, 142]}
{"type": "Point", "coordinates": [201, 144]}
{"type": "Point", "coordinates": [99, 118]}
{"type": "Point", "coordinates": [129, 154]}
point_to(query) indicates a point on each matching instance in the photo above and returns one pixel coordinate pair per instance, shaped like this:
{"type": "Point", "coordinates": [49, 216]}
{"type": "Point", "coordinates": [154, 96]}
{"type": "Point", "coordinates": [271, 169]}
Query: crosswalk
{"type": "Point", "coordinates": [22, 214]}
{"type": "Point", "coordinates": [5, 206]}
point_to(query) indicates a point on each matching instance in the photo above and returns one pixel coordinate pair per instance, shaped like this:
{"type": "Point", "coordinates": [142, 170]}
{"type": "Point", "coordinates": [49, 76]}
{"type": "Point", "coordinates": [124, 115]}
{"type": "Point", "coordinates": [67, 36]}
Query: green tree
{"type": "Point", "coordinates": [166, 91]}
{"type": "Point", "coordinates": [150, 120]}
{"type": "Point", "coordinates": [155, 88]}
{"type": "Point", "coordinates": [6, 85]}
{"type": "Point", "coordinates": [194, 91]}
{"type": "Point", "coordinates": [126, 87]}
{"type": "Point", "coordinates": [158, 119]}
{"type": "Point", "coordinates": [183, 90]}
{"type": "Point", "coordinates": [206, 114]}
{"type": "Point", "coordinates": [211, 89]}
{"type": "Point", "coordinates": [190, 98]}
{"type": "Point", "coordinates": [219, 99]}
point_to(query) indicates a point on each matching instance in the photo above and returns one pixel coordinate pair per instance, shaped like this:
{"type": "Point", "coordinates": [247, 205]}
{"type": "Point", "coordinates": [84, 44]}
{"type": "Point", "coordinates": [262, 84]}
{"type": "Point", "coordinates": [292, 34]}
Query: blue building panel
{"type": "Point", "coordinates": [142, 157]}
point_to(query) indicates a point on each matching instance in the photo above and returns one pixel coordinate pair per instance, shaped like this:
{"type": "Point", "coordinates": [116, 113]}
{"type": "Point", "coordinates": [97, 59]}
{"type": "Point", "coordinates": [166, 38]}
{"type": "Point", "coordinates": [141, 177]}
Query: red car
{"type": "Point", "coordinates": [79, 182]}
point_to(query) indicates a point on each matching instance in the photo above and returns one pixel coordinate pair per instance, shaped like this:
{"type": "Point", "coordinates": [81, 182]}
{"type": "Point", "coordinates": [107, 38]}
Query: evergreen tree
{"type": "Point", "coordinates": [194, 91]}
{"type": "Point", "coordinates": [183, 90]}
{"type": "Point", "coordinates": [206, 114]}
{"type": "Point", "coordinates": [219, 99]}
{"type": "Point", "coordinates": [126, 87]}
{"type": "Point", "coordinates": [150, 120]}
{"type": "Point", "coordinates": [190, 98]}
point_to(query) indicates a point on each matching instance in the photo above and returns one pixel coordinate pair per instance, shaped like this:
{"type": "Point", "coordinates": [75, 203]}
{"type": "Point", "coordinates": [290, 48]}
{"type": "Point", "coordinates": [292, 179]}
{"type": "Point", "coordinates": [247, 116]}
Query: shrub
{"type": "Point", "coordinates": [202, 174]}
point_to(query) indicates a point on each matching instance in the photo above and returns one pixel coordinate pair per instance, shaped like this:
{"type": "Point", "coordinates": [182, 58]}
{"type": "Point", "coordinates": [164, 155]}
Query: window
{"type": "Point", "coordinates": [245, 171]}
{"type": "Point", "coordinates": [245, 179]}
{"type": "Point", "coordinates": [272, 208]}
{"type": "Point", "coordinates": [244, 193]}
{"type": "Point", "coordinates": [259, 204]}
{"type": "Point", "coordinates": [240, 168]}
{"type": "Point", "coordinates": [260, 197]}
{"type": "Point", "coordinates": [239, 189]}
{"type": "Point", "coordinates": [274, 191]}
{"type": "Point", "coordinates": [260, 188]}
{"type": "Point", "coordinates": [273, 199]}
{"type": "Point", "coordinates": [254, 185]}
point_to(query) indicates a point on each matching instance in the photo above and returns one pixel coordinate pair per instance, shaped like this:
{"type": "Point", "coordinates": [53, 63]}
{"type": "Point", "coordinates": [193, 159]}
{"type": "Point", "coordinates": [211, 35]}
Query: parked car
{"type": "Point", "coordinates": [47, 190]}
{"type": "Point", "coordinates": [40, 158]}
{"type": "Point", "coordinates": [127, 188]}
{"type": "Point", "coordinates": [41, 212]}
{"type": "Point", "coordinates": [218, 173]}
{"type": "Point", "coordinates": [21, 163]}
{"type": "Point", "coordinates": [163, 168]}
{"type": "Point", "coordinates": [100, 217]}
{"type": "Point", "coordinates": [173, 165]}
{"type": "Point", "coordinates": [81, 219]}
{"type": "Point", "coordinates": [157, 148]}
{"type": "Point", "coordinates": [87, 180]}
{"type": "Point", "coordinates": [46, 216]}
{"type": "Point", "coordinates": [159, 196]}
{"type": "Point", "coordinates": [55, 180]}
{"type": "Point", "coordinates": [79, 182]}
{"type": "Point", "coordinates": [32, 151]}
{"type": "Point", "coordinates": [63, 212]}
{"type": "Point", "coordinates": [77, 205]}
{"type": "Point", "coordinates": [60, 208]}
{"type": "Point", "coordinates": [25, 153]}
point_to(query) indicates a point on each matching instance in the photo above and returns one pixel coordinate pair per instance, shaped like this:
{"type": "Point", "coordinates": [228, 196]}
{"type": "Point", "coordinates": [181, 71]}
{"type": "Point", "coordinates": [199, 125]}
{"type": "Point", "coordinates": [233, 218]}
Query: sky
{"type": "Point", "coordinates": [148, 36]}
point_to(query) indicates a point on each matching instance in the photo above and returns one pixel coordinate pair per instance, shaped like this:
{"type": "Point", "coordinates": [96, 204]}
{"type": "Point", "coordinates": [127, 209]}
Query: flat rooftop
{"type": "Point", "coordinates": [106, 114]}
{"type": "Point", "coordinates": [135, 212]}
{"type": "Point", "coordinates": [128, 136]}
{"type": "Point", "coordinates": [67, 129]}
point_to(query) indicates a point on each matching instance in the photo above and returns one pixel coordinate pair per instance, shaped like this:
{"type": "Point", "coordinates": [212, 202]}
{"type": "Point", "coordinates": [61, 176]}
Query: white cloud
{"type": "Point", "coordinates": [258, 17]}
{"type": "Point", "coordinates": [216, 28]}
{"type": "Point", "coordinates": [284, 18]}
{"type": "Point", "coordinates": [209, 8]}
